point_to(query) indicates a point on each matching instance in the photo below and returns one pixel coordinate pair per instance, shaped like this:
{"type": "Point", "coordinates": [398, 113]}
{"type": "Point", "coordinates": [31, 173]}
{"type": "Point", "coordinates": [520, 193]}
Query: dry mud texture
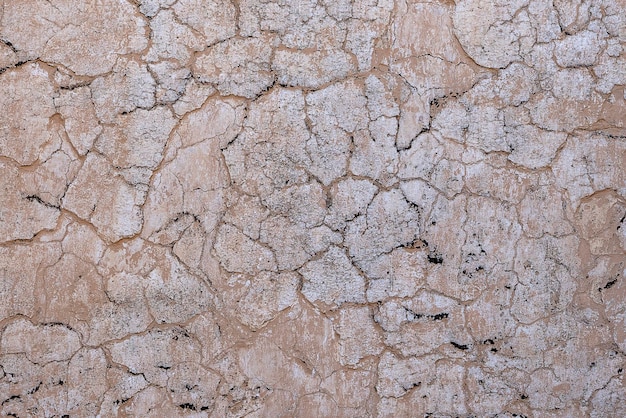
{"type": "Point", "coordinates": [312, 208]}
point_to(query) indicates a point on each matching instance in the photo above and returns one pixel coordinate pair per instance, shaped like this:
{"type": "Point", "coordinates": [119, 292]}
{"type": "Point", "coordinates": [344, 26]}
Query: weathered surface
{"type": "Point", "coordinates": [313, 208]}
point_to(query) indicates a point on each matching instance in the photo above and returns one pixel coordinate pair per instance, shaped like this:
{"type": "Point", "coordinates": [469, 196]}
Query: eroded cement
{"type": "Point", "coordinates": [312, 208]}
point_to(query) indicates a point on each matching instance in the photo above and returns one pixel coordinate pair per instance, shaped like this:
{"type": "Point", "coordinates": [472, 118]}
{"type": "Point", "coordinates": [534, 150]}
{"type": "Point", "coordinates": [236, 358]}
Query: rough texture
{"type": "Point", "coordinates": [313, 208]}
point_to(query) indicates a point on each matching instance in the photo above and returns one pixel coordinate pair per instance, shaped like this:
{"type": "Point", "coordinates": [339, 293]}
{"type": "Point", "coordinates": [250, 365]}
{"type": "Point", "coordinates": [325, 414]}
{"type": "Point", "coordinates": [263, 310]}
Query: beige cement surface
{"type": "Point", "coordinates": [312, 208]}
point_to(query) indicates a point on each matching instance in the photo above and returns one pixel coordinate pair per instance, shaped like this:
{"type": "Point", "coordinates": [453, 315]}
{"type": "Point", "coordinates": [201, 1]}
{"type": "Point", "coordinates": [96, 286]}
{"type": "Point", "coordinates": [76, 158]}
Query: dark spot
{"type": "Point", "coordinates": [204, 408]}
{"type": "Point", "coordinates": [412, 316]}
{"type": "Point", "coordinates": [494, 350]}
{"type": "Point", "coordinates": [187, 406]}
{"type": "Point", "coordinates": [435, 258]}
{"type": "Point", "coordinates": [620, 370]}
{"type": "Point", "coordinates": [11, 398]}
{"type": "Point", "coordinates": [488, 341]}
{"type": "Point", "coordinates": [164, 367]}
{"type": "Point", "coordinates": [35, 389]}
{"type": "Point", "coordinates": [10, 45]}
{"type": "Point", "coordinates": [524, 396]}
{"type": "Point", "coordinates": [459, 346]}
{"type": "Point", "coordinates": [610, 284]}
{"type": "Point", "coordinates": [413, 385]}
{"type": "Point", "coordinates": [439, 316]}
{"type": "Point", "coordinates": [35, 198]}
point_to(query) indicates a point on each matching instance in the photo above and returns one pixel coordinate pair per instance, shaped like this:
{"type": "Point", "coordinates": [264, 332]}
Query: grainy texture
{"type": "Point", "coordinates": [313, 208]}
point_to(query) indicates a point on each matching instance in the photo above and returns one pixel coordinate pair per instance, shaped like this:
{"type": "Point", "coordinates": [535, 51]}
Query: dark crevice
{"type": "Point", "coordinates": [459, 346]}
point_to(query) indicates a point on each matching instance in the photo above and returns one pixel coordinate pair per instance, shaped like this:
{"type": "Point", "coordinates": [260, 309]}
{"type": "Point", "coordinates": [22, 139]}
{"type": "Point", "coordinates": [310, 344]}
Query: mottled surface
{"type": "Point", "coordinates": [313, 208]}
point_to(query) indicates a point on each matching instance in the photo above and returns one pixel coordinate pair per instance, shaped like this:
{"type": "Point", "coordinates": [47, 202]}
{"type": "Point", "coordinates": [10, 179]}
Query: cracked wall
{"type": "Point", "coordinates": [312, 208]}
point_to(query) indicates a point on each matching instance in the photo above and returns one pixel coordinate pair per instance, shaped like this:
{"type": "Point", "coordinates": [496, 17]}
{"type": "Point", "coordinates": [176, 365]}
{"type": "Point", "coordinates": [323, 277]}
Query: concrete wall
{"type": "Point", "coordinates": [312, 208]}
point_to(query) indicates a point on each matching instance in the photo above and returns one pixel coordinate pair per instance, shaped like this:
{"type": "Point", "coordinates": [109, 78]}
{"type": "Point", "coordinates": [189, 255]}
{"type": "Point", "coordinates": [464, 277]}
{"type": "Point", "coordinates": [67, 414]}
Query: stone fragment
{"type": "Point", "coordinates": [414, 326]}
{"type": "Point", "coordinates": [590, 162]}
{"type": "Point", "coordinates": [419, 161]}
{"type": "Point", "coordinates": [82, 241]}
{"type": "Point", "coordinates": [22, 214]}
{"type": "Point", "coordinates": [533, 147]}
{"type": "Point", "coordinates": [79, 116]}
{"type": "Point", "coordinates": [400, 273]}
{"type": "Point", "coordinates": [567, 109]}
{"type": "Point", "coordinates": [128, 87]}
{"type": "Point", "coordinates": [138, 139]}
{"type": "Point", "coordinates": [375, 155]}
{"type": "Point", "coordinates": [171, 40]}
{"type": "Point", "coordinates": [350, 199]}
{"type": "Point", "coordinates": [173, 294]}
{"type": "Point", "coordinates": [18, 289]}
{"type": "Point", "coordinates": [41, 344]}
{"type": "Point", "coordinates": [87, 381]}
{"type": "Point", "coordinates": [494, 42]}
{"type": "Point", "coordinates": [426, 29]}
{"type": "Point", "coordinates": [151, 7]}
{"type": "Point", "coordinates": [236, 66]}
{"type": "Point", "coordinates": [398, 376]}
{"type": "Point", "coordinates": [214, 19]}
{"type": "Point", "coordinates": [26, 96]}
{"type": "Point", "coordinates": [311, 70]}
{"type": "Point", "coordinates": [27, 386]}
{"type": "Point", "coordinates": [293, 244]}
{"type": "Point", "coordinates": [167, 347]}
{"type": "Point", "coordinates": [288, 374]}
{"type": "Point", "coordinates": [352, 389]}
{"type": "Point", "coordinates": [113, 207]}
{"type": "Point", "coordinates": [609, 399]}
{"type": "Point", "coordinates": [303, 204]}
{"type": "Point", "coordinates": [439, 391]}
{"type": "Point", "coordinates": [501, 183]}
{"type": "Point", "coordinates": [171, 81]}
{"type": "Point", "coordinates": [230, 241]}
{"type": "Point", "coordinates": [269, 153]}
{"type": "Point", "coordinates": [578, 50]}
{"type": "Point", "coordinates": [8, 57]}
{"type": "Point", "coordinates": [332, 279]}
{"type": "Point", "coordinates": [124, 311]}
{"type": "Point", "coordinates": [390, 222]}
{"type": "Point", "coordinates": [335, 112]}
{"type": "Point", "coordinates": [304, 25]}
{"type": "Point", "coordinates": [358, 335]}
{"type": "Point", "coordinates": [76, 37]}
{"type": "Point", "coordinates": [121, 386]}
{"type": "Point", "coordinates": [490, 392]}
{"type": "Point", "coordinates": [247, 214]}
{"type": "Point", "coordinates": [599, 218]}
{"type": "Point", "coordinates": [545, 286]}
{"type": "Point", "coordinates": [257, 300]}
{"type": "Point", "coordinates": [551, 219]}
